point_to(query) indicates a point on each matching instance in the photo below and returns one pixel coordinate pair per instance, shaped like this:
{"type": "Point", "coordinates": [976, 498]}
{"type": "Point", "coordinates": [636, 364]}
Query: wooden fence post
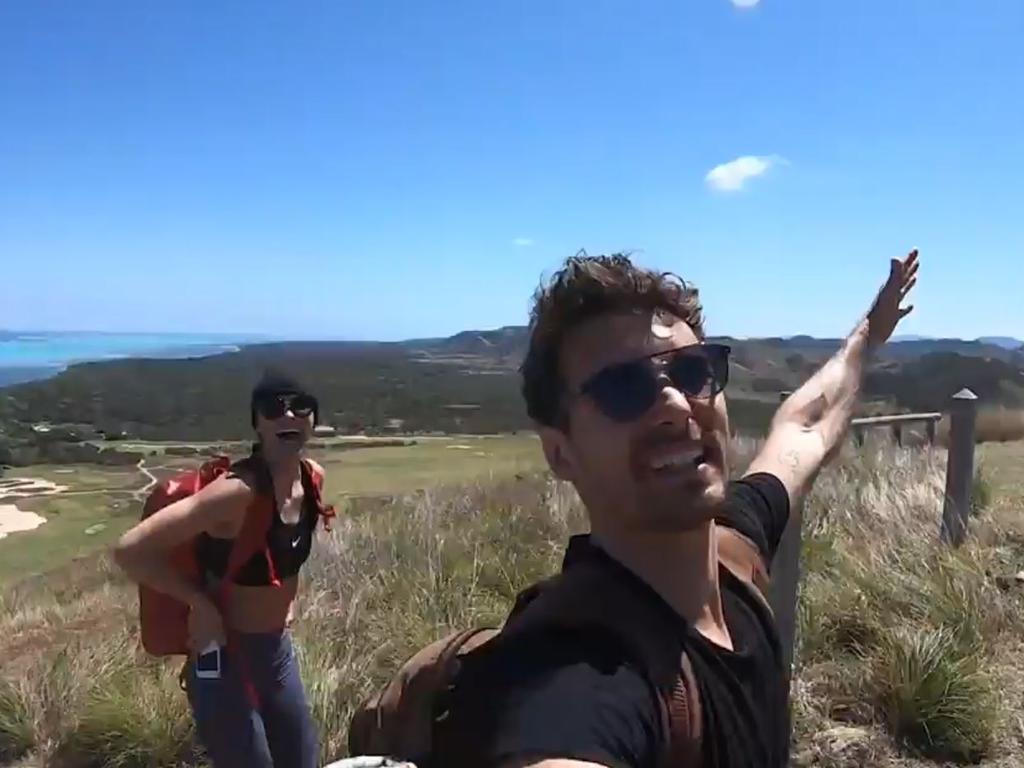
{"type": "Point", "coordinates": [858, 436]}
{"type": "Point", "coordinates": [959, 468]}
{"type": "Point", "coordinates": [785, 582]}
{"type": "Point", "coordinates": [897, 433]}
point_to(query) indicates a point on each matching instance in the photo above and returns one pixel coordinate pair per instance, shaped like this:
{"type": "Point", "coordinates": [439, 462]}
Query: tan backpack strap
{"type": "Point", "coordinates": [585, 597]}
{"type": "Point", "coordinates": [743, 559]}
{"type": "Point", "coordinates": [685, 722]}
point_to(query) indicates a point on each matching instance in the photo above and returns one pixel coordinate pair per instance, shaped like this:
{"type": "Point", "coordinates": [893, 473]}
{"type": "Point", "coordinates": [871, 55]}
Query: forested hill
{"type": "Point", "coordinates": [465, 383]}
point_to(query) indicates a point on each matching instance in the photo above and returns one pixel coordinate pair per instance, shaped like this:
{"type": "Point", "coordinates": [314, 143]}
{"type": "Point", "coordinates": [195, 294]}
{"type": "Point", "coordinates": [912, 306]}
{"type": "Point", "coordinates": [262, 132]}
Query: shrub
{"type": "Point", "coordinates": [17, 731]}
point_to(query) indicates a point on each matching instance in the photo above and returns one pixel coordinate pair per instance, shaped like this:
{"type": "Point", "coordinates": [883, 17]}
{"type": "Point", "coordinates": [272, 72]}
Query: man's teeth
{"type": "Point", "coordinates": [681, 459]}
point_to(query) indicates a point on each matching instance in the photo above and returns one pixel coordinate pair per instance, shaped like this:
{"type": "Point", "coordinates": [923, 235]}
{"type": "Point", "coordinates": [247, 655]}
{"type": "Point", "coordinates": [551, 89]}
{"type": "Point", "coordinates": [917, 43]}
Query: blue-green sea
{"type": "Point", "coordinates": [30, 355]}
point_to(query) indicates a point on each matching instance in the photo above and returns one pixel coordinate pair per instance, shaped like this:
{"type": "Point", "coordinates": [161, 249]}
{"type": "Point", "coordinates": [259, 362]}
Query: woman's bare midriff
{"type": "Point", "coordinates": [260, 609]}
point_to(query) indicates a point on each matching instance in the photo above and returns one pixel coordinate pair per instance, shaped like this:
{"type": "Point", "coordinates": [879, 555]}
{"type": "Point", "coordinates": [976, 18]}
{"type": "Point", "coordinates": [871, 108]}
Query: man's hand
{"type": "Point", "coordinates": [809, 426]}
{"type": "Point", "coordinates": [886, 311]}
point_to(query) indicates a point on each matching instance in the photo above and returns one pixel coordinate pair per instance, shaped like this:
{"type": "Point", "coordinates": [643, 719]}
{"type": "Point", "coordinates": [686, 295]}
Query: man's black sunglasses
{"type": "Point", "coordinates": [626, 391]}
{"type": "Point", "coordinates": [275, 407]}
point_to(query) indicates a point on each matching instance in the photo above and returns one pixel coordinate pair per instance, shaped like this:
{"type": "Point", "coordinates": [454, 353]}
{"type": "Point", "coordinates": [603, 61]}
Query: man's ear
{"type": "Point", "coordinates": [558, 452]}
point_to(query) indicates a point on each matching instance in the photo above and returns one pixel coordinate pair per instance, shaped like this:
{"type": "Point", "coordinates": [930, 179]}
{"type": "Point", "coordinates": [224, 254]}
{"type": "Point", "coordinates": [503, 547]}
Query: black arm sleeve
{"type": "Point", "coordinates": [555, 696]}
{"type": "Point", "coordinates": [758, 507]}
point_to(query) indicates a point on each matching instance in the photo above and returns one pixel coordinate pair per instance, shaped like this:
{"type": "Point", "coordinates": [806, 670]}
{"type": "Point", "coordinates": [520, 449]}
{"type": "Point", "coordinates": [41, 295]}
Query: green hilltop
{"type": "Point", "coordinates": [464, 384]}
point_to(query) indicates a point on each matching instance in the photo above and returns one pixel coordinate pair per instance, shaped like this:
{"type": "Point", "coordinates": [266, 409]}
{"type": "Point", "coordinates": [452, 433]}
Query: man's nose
{"type": "Point", "coordinates": [672, 406]}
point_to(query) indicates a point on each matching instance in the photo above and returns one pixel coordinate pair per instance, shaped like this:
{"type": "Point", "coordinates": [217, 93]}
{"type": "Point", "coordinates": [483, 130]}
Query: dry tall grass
{"type": "Point", "coordinates": [1000, 425]}
{"type": "Point", "coordinates": [898, 631]}
{"type": "Point", "coordinates": [993, 425]}
{"type": "Point", "coordinates": [906, 646]}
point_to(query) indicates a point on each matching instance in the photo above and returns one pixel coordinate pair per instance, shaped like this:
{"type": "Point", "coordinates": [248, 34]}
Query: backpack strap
{"type": "Point", "coordinates": [585, 597]}
{"type": "Point", "coordinates": [325, 512]}
{"type": "Point", "coordinates": [685, 721]}
{"type": "Point", "coordinates": [743, 560]}
{"type": "Point", "coordinates": [252, 536]}
{"type": "Point", "coordinates": [251, 539]}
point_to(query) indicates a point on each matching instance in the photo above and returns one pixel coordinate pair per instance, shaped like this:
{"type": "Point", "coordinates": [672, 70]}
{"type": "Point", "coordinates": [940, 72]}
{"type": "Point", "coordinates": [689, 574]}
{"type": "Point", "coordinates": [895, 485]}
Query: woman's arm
{"type": "Point", "coordinates": [142, 551]}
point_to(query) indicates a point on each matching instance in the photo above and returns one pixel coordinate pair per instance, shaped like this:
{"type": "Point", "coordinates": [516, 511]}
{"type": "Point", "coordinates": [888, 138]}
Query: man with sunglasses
{"type": "Point", "coordinates": [628, 400]}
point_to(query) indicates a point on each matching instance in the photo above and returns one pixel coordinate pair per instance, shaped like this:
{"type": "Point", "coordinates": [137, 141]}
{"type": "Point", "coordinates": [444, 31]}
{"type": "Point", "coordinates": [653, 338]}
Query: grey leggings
{"type": "Point", "coordinates": [279, 733]}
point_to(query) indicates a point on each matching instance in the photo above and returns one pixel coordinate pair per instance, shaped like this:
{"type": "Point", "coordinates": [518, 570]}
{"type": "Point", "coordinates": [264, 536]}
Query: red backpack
{"type": "Point", "coordinates": [399, 720]}
{"type": "Point", "coordinates": [163, 619]}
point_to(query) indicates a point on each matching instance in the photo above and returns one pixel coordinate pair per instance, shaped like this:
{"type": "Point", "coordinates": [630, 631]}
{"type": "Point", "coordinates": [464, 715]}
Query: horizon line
{"type": "Point", "coordinates": [263, 337]}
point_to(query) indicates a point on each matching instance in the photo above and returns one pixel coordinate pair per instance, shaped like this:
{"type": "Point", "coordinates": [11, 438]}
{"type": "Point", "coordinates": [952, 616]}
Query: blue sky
{"type": "Point", "coordinates": [381, 169]}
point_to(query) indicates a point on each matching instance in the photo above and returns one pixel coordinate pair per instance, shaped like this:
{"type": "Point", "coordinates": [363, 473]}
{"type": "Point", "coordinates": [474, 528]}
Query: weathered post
{"type": "Point", "coordinates": [960, 467]}
{"type": "Point", "coordinates": [897, 433]}
{"type": "Point", "coordinates": [930, 431]}
{"type": "Point", "coordinates": [785, 581]}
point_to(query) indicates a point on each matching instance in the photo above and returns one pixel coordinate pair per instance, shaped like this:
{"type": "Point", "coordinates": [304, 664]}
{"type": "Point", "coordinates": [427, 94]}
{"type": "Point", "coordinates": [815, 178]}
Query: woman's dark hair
{"type": "Point", "coordinates": [274, 383]}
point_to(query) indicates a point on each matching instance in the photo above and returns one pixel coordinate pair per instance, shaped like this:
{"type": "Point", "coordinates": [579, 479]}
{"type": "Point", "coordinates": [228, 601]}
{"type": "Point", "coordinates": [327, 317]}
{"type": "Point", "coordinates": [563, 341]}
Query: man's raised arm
{"type": "Point", "coordinates": [810, 425]}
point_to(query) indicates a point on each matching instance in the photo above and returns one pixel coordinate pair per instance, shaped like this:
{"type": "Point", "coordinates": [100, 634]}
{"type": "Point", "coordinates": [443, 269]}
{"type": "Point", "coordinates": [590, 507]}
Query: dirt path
{"type": "Point", "coordinates": [140, 494]}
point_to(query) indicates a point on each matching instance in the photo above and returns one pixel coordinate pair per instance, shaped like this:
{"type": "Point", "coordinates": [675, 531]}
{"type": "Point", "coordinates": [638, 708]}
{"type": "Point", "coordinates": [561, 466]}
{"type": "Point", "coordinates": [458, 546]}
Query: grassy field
{"type": "Point", "coordinates": [430, 462]}
{"type": "Point", "coordinates": [1003, 465]}
{"type": "Point", "coordinates": [97, 507]}
{"type": "Point", "coordinates": [82, 477]}
{"type": "Point", "coordinates": [909, 654]}
{"type": "Point", "coordinates": [100, 504]}
{"type": "Point", "coordinates": [77, 526]}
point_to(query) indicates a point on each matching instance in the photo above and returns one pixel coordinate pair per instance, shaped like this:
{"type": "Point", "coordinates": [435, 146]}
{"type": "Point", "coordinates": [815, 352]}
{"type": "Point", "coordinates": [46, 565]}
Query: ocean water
{"type": "Point", "coordinates": [26, 355]}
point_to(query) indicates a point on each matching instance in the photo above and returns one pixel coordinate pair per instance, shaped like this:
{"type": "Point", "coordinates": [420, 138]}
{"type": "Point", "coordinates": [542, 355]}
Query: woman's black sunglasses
{"type": "Point", "coordinates": [275, 407]}
{"type": "Point", "coordinates": [626, 391]}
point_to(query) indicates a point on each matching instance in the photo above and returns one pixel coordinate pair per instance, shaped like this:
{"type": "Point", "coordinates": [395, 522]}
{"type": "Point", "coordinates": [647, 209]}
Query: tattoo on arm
{"type": "Point", "coordinates": [790, 459]}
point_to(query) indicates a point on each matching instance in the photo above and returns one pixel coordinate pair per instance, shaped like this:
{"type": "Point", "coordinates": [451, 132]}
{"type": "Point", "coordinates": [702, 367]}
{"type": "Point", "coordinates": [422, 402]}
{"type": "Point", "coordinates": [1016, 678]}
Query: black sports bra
{"type": "Point", "coordinates": [288, 545]}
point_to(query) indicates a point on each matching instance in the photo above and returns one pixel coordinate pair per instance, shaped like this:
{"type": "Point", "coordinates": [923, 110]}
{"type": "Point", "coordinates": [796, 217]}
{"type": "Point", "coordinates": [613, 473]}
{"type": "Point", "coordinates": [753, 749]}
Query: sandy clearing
{"type": "Point", "coordinates": [13, 520]}
{"type": "Point", "coordinates": [22, 487]}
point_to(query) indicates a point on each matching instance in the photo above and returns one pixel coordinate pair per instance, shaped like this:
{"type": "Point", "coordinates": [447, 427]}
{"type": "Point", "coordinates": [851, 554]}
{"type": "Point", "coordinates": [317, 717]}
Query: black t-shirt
{"type": "Point", "coordinates": [558, 694]}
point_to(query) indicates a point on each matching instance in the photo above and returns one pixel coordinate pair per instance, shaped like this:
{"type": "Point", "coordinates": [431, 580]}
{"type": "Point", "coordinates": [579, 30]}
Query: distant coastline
{"type": "Point", "coordinates": [34, 355]}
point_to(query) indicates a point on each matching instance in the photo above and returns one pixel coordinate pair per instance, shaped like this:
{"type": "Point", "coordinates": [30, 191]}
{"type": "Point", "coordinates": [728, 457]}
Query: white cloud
{"type": "Point", "coordinates": [523, 242]}
{"type": "Point", "coordinates": [745, 3]}
{"type": "Point", "coordinates": [731, 176]}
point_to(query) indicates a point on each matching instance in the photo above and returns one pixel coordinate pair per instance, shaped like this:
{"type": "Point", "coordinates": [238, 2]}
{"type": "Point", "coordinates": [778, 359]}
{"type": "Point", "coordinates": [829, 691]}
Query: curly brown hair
{"type": "Point", "coordinates": [585, 287]}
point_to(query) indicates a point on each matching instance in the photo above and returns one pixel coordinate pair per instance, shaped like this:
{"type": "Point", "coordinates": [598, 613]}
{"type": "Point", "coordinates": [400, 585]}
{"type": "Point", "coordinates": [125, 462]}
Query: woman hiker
{"type": "Point", "coordinates": [242, 678]}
